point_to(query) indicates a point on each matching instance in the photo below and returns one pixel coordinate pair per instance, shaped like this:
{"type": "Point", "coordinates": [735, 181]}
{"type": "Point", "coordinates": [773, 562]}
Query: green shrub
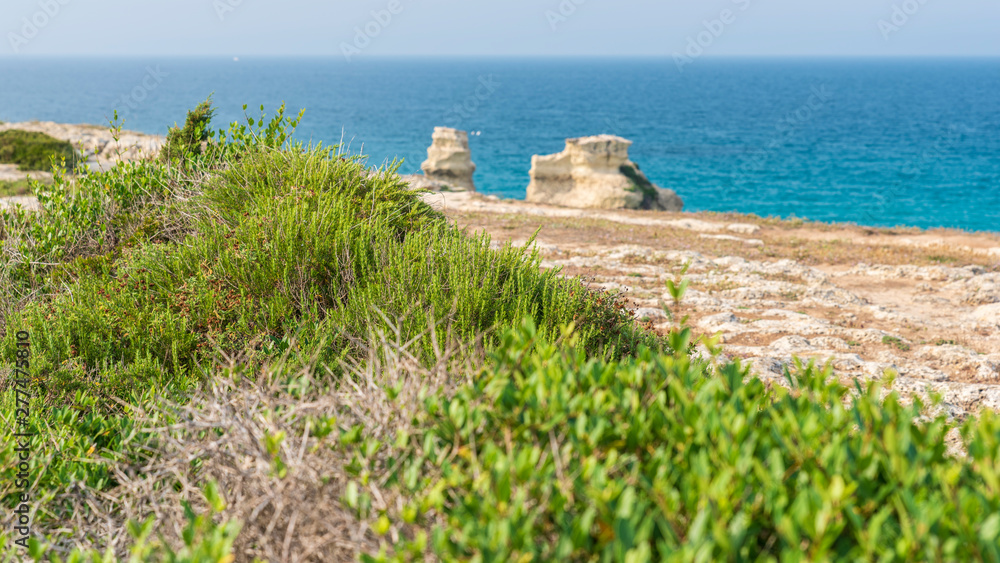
{"type": "Point", "coordinates": [97, 212]}
{"type": "Point", "coordinates": [184, 143]}
{"type": "Point", "coordinates": [641, 184]}
{"type": "Point", "coordinates": [896, 342]}
{"type": "Point", "coordinates": [31, 150]}
{"type": "Point", "coordinates": [550, 456]}
{"type": "Point", "coordinates": [317, 265]}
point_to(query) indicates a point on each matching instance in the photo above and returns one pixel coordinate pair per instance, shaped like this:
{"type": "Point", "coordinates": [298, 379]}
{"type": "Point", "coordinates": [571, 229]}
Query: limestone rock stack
{"type": "Point", "coordinates": [449, 160]}
{"type": "Point", "coordinates": [595, 172]}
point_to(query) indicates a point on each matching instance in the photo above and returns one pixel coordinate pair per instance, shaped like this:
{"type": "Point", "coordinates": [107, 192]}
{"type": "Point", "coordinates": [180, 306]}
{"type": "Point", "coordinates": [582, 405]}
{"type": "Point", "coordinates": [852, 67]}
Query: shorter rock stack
{"type": "Point", "coordinates": [595, 173]}
{"type": "Point", "coordinates": [449, 160]}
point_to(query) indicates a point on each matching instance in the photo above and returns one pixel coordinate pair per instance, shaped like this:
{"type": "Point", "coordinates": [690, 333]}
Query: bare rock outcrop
{"type": "Point", "coordinates": [987, 316]}
{"type": "Point", "coordinates": [595, 172]}
{"type": "Point", "coordinates": [449, 160]}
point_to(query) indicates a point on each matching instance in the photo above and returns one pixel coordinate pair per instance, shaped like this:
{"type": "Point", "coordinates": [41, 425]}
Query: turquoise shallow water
{"type": "Point", "coordinates": [879, 142]}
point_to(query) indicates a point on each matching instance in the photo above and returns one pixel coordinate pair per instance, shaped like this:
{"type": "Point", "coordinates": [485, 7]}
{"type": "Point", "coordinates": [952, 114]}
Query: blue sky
{"type": "Point", "coordinates": [500, 27]}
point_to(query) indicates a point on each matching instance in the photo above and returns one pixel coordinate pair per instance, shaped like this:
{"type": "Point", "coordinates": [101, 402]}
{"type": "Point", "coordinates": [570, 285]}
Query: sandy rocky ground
{"type": "Point", "coordinates": [924, 304]}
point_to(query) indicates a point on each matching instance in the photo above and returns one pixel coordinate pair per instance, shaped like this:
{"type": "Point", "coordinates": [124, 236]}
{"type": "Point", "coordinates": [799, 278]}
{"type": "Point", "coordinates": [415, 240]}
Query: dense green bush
{"type": "Point", "coordinates": [641, 184]}
{"type": "Point", "coordinates": [185, 142]}
{"type": "Point", "coordinates": [31, 150]}
{"type": "Point", "coordinates": [551, 456]}
{"type": "Point", "coordinates": [287, 243]}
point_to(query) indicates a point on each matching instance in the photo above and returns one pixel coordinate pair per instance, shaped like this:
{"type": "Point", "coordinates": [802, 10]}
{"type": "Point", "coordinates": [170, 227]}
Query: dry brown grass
{"type": "Point", "coordinates": [220, 435]}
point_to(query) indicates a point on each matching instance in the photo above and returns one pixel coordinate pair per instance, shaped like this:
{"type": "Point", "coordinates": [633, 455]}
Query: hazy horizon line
{"type": "Point", "coordinates": [338, 57]}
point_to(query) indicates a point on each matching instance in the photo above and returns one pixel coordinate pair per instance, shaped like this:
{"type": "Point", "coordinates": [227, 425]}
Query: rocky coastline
{"type": "Point", "coordinates": [923, 305]}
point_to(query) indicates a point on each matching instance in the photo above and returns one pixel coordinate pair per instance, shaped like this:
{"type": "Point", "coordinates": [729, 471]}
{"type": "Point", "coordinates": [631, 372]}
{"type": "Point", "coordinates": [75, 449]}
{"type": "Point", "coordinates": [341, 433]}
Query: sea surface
{"type": "Point", "coordinates": [872, 141]}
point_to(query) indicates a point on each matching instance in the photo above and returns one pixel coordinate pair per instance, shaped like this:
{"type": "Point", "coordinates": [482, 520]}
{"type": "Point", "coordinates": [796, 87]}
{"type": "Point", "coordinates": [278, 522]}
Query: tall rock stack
{"type": "Point", "coordinates": [595, 172]}
{"type": "Point", "coordinates": [449, 160]}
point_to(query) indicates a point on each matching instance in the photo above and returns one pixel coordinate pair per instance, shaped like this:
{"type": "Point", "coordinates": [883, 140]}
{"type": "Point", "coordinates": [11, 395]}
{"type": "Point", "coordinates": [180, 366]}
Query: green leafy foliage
{"type": "Point", "coordinates": [73, 444]}
{"type": "Point", "coordinates": [81, 211]}
{"type": "Point", "coordinates": [548, 455]}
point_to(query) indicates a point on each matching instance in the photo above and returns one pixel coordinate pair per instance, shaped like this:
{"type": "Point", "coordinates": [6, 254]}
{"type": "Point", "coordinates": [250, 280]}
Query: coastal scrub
{"type": "Point", "coordinates": [270, 350]}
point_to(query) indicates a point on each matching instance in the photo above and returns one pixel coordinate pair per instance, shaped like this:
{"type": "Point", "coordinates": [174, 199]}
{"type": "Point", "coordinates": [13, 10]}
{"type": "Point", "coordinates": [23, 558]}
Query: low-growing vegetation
{"type": "Point", "coordinates": [640, 184]}
{"type": "Point", "coordinates": [14, 188]}
{"type": "Point", "coordinates": [255, 349]}
{"type": "Point", "coordinates": [896, 342]}
{"type": "Point", "coordinates": [31, 150]}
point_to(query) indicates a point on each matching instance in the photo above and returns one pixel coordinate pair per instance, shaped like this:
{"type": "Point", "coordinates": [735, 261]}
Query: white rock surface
{"type": "Point", "coordinates": [10, 173]}
{"type": "Point", "coordinates": [750, 241]}
{"type": "Point", "coordinates": [987, 315]}
{"type": "Point", "coordinates": [743, 228]}
{"type": "Point", "coordinates": [590, 173]}
{"type": "Point", "coordinates": [696, 225]}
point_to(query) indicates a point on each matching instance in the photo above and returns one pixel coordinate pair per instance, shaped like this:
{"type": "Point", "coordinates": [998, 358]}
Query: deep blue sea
{"type": "Point", "coordinates": [871, 141]}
